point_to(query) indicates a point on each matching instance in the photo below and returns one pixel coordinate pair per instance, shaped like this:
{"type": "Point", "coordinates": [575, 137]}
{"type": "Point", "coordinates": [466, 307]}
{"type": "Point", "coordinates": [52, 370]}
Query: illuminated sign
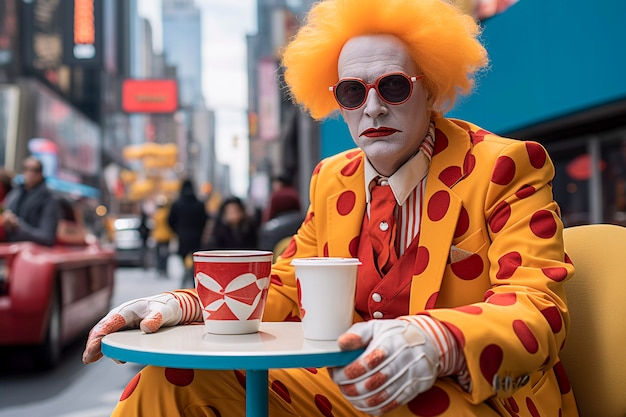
{"type": "Point", "coordinates": [149, 96]}
{"type": "Point", "coordinates": [84, 30]}
{"type": "Point", "coordinates": [82, 35]}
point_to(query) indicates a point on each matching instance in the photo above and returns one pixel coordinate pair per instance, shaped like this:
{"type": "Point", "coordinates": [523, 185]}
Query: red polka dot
{"type": "Point", "coordinates": [241, 378]}
{"type": "Point", "coordinates": [317, 169]}
{"type": "Point", "coordinates": [312, 370]}
{"type": "Point", "coordinates": [468, 268]}
{"type": "Point", "coordinates": [532, 408]}
{"type": "Point", "coordinates": [542, 224]}
{"type": "Point", "coordinates": [462, 224]}
{"type": "Point", "coordinates": [291, 249]}
{"type": "Point", "coordinates": [450, 175]}
{"type": "Point", "coordinates": [325, 250]}
{"type": "Point", "coordinates": [526, 336]}
{"type": "Point", "coordinates": [441, 142]}
{"type": "Point", "coordinates": [275, 280]}
{"type": "Point", "coordinates": [490, 361]}
{"type": "Point", "coordinates": [525, 191]}
{"type": "Point", "coordinates": [469, 163]}
{"type": "Point", "coordinates": [508, 264]}
{"type": "Point", "coordinates": [309, 217]}
{"type": "Point", "coordinates": [500, 216]}
{"type": "Point", "coordinates": [345, 202]}
{"type": "Point", "coordinates": [536, 154]}
{"type": "Point", "coordinates": [513, 407]}
{"type": "Point", "coordinates": [432, 300]}
{"type": "Point", "coordinates": [488, 294]}
{"type": "Point", "coordinates": [458, 334]}
{"type": "Point", "coordinates": [430, 403]}
{"type": "Point", "coordinates": [568, 260]}
{"type": "Point", "coordinates": [421, 260]}
{"type": "Point", "coordinates": [179, 377]}
{"type": "Point", "coordinates": [561, 377]}
{"type": "Point", "coordinates": [469, 309]}
{"type": "Point", "coordinates": [438, 205]}
{"type": "Point", "coordinates": [504, 171]}
{"type": "Point", "coordinates": [506, 299]}
{"type": "Point", "coordinates": [353, 247]}
{"type": "Point", "coordinates": [130, 387]}
{"type": "Point", "coordinates": [478, 136]}
{"type": "Point", "coordinates": [557, 273]}
{"type": "Point", "coordinates": [323, 405]}
{"type": "Point", "coordinates": [553, 317]}
{"type": "Point", "coordinates": [281, 390]}
{"type": "Point", "coordinates": [351, 168]}
{"type": "Point", "coordinates": [352, 154]}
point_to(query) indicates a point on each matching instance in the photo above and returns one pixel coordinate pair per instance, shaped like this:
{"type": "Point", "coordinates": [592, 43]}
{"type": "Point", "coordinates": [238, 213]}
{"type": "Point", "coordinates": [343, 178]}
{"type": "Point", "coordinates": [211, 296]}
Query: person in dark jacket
{"type": "Point", "coordinates": [233, 228]}
{"type": "Point", "coordinates": [188, 218]}
{"type": "Point", "coordinates": [31, 212]}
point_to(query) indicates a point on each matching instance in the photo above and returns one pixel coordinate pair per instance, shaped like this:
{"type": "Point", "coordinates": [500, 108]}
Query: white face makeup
{"type": "Point", "coordinates": [388, 134]}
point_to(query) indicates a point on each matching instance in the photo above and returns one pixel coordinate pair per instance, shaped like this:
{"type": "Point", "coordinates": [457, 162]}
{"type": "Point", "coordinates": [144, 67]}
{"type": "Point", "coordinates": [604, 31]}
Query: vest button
{"type": "Point", "coordinates": [384, 226]}
{"type": "Point", "coordinates": [377, 315]}
{"type": "Point", "coordinates": [377, 297]}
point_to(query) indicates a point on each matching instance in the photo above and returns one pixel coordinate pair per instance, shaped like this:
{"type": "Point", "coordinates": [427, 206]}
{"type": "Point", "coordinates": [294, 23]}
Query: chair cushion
{"type": "Point", "coordinates": [594, 355]}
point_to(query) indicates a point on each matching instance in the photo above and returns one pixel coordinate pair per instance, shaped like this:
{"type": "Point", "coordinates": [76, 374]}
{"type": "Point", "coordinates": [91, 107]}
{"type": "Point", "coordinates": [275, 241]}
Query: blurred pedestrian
{"type": "Point", "coordinates": [144, 232]}
{"type": "Point", "coordinates": [162, 235]}
{"type": "Point", "coordinates": [188, 218]}
{"type": "Point", "coordinates": [233, 228]}
{"type": "Point", "coordinates": [31, 213]}
{"type": "Point", "coordinates": [284, 197]}
{"type": "Point", "coordinates": [283, 216]}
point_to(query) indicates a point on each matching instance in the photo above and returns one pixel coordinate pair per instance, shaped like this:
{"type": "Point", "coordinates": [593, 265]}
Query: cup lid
{"type": "Point", "coordinates": [240, 253]}
{"type": "Point", "coordinates": [325, 261]}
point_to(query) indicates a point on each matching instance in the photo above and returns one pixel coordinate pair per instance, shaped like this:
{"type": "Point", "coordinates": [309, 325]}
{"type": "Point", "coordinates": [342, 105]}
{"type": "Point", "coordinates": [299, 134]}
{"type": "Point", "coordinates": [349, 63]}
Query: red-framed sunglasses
{"type": "Point", "coordinates": [394, 88]}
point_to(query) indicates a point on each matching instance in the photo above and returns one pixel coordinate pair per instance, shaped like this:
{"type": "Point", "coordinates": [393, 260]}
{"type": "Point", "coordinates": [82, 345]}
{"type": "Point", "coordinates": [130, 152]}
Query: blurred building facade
{"type": "Point", "coordinates": [283, 140]}
{"type": "Point", "coordinates": [64, 71]}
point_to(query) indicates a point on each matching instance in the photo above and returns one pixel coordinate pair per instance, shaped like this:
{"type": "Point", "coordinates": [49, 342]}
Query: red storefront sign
{"type": "Point", "coordinates": [149, 96]}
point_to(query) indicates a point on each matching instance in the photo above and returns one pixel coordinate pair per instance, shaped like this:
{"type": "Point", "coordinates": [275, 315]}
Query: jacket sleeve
{"type": "Point", "coordinates": [520, 326]}
{"type": "Point", "coordinates": [282, 302]}
{"type": "Point", "coordinates": [45, 232]}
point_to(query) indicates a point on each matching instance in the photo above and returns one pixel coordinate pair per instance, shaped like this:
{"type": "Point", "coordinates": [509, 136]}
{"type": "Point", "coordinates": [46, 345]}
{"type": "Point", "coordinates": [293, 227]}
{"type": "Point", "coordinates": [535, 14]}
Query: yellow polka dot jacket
{"type": "Point", "coordinates": [490, 262]}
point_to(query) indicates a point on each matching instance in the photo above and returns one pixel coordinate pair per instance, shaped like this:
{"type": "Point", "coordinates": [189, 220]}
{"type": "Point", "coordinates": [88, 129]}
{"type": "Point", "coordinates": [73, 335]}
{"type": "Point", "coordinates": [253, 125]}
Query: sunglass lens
{"type": "Point", "coordinates": [394, 88]}
{"type": "Point", "coordinates": [350, 94]}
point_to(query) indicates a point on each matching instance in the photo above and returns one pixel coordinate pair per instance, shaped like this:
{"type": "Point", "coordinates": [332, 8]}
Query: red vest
{"type": "Point", "coordinates": [383, 297]}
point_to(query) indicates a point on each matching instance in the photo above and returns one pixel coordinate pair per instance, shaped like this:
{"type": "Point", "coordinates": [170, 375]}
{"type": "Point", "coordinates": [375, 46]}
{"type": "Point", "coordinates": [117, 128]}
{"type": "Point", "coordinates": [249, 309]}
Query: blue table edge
{"type": "Point", "coordinates": [190, 361]}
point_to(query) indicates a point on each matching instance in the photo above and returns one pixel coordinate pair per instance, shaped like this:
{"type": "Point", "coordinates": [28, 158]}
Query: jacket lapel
{"type": "Point", "coordinates": [344, 226]}
{"type": "Point", "coordinates": [440, 212]}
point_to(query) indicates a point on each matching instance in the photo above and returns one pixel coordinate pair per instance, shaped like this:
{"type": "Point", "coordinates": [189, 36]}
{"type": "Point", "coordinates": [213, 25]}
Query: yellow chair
{"type": "Point", "coordinates": [594, 355]}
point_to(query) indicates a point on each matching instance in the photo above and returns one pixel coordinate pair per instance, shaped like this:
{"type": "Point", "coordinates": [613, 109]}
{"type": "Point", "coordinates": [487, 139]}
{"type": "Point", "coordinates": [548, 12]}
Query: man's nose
{"type": "Point", "coordinates": [374, 105]}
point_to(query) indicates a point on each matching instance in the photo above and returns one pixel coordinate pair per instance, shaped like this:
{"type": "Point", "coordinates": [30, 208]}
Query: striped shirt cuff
{"type": "Point", "coordinates": [451, 358]}
{"type": "Point", "coordinates": [189, 304]}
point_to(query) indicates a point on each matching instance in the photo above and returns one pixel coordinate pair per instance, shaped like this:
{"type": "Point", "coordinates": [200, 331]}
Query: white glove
{"type": "Point", "coordinates": [401, 361]}
{"type": "Point", "coordinates": [149, 314]}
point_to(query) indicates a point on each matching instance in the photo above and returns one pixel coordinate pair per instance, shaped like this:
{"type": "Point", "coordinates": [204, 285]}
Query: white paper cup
{"type": "Point", "coordinates": [232, 286]}
{"type": "Point", "coordinates": [326, 288]}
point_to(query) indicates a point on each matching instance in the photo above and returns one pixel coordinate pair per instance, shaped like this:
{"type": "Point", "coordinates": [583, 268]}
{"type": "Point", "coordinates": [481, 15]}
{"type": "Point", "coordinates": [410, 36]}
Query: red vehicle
{"type": "Point", "coordinates": [50, 296]}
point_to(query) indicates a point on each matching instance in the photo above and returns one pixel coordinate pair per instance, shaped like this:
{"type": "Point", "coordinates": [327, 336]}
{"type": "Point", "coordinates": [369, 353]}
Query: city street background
{"type": "Point", "coordinates": [74, 389]}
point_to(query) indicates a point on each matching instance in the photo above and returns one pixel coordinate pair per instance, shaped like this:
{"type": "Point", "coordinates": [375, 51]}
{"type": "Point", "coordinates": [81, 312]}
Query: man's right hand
{"type": "Point", "coordinates": [149, 314]}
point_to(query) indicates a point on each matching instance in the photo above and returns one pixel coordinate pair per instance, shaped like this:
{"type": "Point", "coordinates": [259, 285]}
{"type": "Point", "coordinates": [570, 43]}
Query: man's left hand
{"type": "Point", "coordinates": [400, 362]}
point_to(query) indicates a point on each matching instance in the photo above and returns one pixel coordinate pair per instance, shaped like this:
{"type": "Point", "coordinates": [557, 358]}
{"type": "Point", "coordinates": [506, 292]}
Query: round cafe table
{"type": "Point", "coordinates": [276, 345]}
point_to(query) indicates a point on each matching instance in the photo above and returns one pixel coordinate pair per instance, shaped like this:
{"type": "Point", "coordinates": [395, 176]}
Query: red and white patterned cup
{"type": "Point", "coordinates": [232, 286]}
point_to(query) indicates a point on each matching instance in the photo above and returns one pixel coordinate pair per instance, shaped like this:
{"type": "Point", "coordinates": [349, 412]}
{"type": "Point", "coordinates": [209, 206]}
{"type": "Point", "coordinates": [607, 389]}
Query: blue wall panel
{"type": "Point", "coordinates": [549, 58]}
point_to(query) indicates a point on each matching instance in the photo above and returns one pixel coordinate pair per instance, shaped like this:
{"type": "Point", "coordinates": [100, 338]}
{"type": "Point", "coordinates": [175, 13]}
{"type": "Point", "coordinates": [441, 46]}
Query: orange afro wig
{"type": "Point", "coordinates": [441, 39]}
